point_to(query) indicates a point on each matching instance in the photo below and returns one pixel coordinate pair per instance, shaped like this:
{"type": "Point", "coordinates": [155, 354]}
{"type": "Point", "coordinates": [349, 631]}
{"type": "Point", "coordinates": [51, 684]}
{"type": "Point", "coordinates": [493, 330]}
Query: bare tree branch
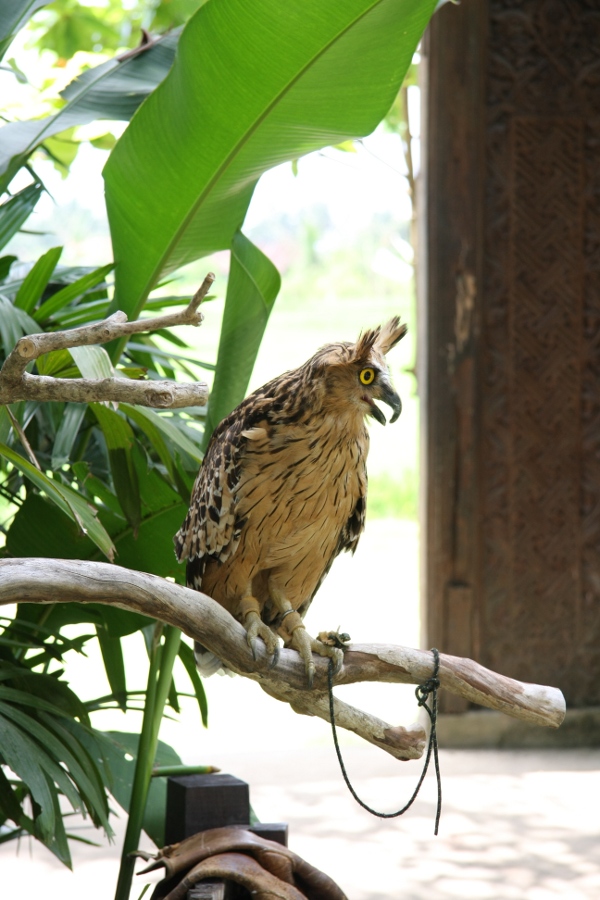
{"type": "Point", "coordinates": [64, 581]}
{"type": "Point", "coordinates": [17, 384]}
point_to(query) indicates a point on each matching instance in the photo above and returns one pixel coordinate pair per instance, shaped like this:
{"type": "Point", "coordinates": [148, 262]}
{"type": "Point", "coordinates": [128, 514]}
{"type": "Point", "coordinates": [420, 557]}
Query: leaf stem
{"type": "Point", "coordinates": [160, 676]}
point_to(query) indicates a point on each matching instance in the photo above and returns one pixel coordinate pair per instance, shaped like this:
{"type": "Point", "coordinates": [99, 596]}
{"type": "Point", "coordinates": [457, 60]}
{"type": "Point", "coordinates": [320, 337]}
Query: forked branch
{"type": "Point", "coordinates": [60, 581]}
{"type": "Point", "coordinates": [17, 384]}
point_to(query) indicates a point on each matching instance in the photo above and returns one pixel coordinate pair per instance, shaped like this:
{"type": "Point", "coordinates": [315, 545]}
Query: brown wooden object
{"type": "Point", "coordinates": [510, 352]}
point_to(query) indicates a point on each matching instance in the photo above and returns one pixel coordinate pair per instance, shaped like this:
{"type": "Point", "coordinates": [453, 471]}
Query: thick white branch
{"type": "Point", "coordinates": [69, 581]}
{"type": "Point", "coordinates": [16, 384]}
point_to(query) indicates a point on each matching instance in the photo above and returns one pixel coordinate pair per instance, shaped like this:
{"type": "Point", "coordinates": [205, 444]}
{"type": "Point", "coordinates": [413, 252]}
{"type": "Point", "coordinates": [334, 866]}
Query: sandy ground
{"type": "Point", "coordinates": [516, 825]}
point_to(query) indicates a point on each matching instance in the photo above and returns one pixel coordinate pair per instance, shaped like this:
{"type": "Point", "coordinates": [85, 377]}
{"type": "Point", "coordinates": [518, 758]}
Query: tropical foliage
{"type": "Point", "coordinates": [213, 105]}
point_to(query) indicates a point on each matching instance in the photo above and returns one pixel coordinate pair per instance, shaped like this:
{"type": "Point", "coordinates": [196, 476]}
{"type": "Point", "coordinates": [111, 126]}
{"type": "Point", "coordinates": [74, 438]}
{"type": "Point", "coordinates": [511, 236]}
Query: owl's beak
{"type": "Point", "coordinates": [388, 395]}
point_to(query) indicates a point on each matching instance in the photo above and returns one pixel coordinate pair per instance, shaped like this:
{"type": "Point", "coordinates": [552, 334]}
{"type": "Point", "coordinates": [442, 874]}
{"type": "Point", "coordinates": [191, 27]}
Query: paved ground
{"type": "Point", "coordinates": [516, 825]}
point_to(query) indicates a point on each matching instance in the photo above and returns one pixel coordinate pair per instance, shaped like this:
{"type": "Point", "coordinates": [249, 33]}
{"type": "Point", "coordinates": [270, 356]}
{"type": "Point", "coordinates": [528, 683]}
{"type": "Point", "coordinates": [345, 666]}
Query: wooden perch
{"type": "Point", "coordinates": [60, 581]}
{"type": "Point", "coordinates": [17, 384]}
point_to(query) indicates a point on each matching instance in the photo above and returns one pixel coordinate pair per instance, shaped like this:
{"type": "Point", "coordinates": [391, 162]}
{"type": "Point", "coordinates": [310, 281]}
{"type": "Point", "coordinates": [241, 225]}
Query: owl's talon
{"type": "Point", "coordinates": [338, 661]}
{"type": "Point", "coordinates": [256, 628]}
{"type": "Point", "coordinates": [307, 645]}
{"type": "Point", "coordinates": [275, 659]}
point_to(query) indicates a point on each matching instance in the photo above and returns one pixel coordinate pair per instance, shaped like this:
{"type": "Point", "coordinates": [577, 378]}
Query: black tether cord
{"type": "Point", "coordinates": [422, 692]}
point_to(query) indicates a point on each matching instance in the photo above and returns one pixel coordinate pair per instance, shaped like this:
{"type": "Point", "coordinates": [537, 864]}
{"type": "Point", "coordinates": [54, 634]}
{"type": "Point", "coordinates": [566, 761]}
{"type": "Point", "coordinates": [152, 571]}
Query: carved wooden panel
{"type": "Point", "coordinates": [535, 494]}
{"type": "Point", "coordinates": [544, 390]}
{"type": "Point", "coordinates": [542, 119]}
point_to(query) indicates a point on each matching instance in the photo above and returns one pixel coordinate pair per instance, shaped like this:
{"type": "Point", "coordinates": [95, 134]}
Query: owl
{"type": "Point", "coordinates": [283, 489]}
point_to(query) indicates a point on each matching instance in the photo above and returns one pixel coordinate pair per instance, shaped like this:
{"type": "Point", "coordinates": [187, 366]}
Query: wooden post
{"type": "Point", "coordinates": [509, 313]}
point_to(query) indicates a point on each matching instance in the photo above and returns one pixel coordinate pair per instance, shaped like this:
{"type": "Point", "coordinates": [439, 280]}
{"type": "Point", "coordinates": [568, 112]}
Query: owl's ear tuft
{"type": "Point", "coordinates": [380, 339]}
{"type": "Point", "coordinates": [365, 343]}
{"type": "Point", "coordinates": [389, 334]}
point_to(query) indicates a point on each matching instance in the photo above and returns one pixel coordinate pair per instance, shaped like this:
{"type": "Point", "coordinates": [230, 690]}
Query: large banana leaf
{"type": "Point", "coordinates": [13, 15]}
{"type": "Point", "coordinates": [253, 85]}
{"type": "Point", "coordinates": [113, 90]}
{"type": "Point", "coordinates": [252, 289]}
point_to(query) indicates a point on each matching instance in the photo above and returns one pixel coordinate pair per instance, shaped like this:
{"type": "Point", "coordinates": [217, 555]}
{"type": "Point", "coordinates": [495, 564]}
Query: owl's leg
{"type": "Point", "coordinates": [256, 628]}
{"type": "Point", "coordinates": [295, 635]}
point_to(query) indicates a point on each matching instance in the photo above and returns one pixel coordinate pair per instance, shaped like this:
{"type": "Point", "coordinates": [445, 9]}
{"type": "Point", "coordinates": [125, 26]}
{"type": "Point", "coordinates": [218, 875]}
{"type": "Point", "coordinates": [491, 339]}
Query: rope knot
{"type": "Point", "coordinates": [423, 691]}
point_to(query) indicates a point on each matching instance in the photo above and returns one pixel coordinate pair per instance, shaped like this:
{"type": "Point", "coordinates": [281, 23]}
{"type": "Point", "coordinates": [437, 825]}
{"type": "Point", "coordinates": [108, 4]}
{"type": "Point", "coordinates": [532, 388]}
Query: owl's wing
{"type": "Point", "coordinates": [212, 527]}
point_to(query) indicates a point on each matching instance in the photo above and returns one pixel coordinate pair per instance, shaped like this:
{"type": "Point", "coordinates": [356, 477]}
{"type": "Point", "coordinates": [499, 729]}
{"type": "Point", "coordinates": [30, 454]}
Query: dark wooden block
{"type": "Point", "coordinates": [272, 831]}
{"type": "Point", "coordinates": [199, 802]}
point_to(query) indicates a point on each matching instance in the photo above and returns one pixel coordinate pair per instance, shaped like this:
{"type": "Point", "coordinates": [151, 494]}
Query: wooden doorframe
{"type": "Point", "coordinates": [450, 225]}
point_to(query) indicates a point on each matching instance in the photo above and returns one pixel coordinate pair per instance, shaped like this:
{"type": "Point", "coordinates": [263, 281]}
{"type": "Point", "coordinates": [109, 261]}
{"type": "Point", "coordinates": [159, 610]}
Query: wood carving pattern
{"type": "Point", "coordinates": [540, 451]}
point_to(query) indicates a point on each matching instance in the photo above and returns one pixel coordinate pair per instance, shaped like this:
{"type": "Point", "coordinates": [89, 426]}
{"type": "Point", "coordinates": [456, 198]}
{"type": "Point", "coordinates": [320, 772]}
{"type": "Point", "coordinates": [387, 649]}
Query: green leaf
{"type": "Point", "coordinates": [71, 503]}
{"type": "Point", "coordinates": [79, 27]}
{"type": "Point", "coordinates": [15, 14]}
{"type": "Point", "coordinates": [73, 416]}
{"type": "Point", "coordinates": [280, 81]}
{"type": "Point", "coordinates": [15, 211]}
{"type": "Point", "coordinates": [36, 279]}
{"type": "Point", "coordinates": [154, 435]}
{"type": "Point", "coordinates": [14, 323]}
{"type": "Point", "coordinates": [54, 363]}
{"type": "Point", "coordinates": [186, 655]}
{"type": "Point", "coordinates": [104, 142]}
{"type": "Point", "coordinates": [42, 529]}
{"type": "Point", "coordinates": [120, 440]}
{"type": "Point", "coordinates": [76, 289]}
{"type": "Point", "coordinates": [26, 759]}
{"type": "Point", "coordinates": [113, 90]}
{"type": "Point", "coordinates": [62, 150]}
{"type": "Point", "coordinates": [252, 288]}
{"type": "Point", "coordinates": [156, 352]}
{"type": "Point", "coordinates": [90, 310]}
{"type": "Point", "coordinates": [66, 740]}
{"type": "Point", "coordinates": [152, 422]}
{"type": "Point", "coordinates": [61, 751]}
{"type": "Point", "coordinates": [117, 622]}
{"type": "Point", "coordinates": [118, 747]}
{"type": "Point", "coordinates": [5, 264]}
{"type": "Point", "coordinates": [150, 552]}
{"type": "Point", "coordinates": [114, 665]}
{"type": "Point", "coordinates": [57, 843]}
{"type": "Point", "coordinates": [10, 808]}
{"type": "Point", "coordinates": [92, 361]}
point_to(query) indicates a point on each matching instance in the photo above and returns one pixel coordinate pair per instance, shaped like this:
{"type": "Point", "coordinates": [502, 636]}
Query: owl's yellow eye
{"type": "Point", "coordinates": [367, 376]}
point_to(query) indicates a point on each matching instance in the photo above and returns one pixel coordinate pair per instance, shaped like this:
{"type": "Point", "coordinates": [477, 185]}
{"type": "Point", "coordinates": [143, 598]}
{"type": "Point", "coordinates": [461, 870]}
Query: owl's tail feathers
{"type": "Point", "coordinates": [208, 664]}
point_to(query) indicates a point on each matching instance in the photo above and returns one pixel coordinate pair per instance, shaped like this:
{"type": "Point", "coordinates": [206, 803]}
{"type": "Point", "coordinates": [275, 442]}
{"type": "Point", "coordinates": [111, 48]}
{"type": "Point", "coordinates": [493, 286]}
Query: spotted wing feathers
{"type": "Point", "coordinates": [212, 527]}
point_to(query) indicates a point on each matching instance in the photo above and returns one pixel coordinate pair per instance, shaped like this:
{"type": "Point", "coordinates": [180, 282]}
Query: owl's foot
{"type": "Point", "coordinates": [300, 640]}
{"type": "Point", "coordinates": [256, 628]}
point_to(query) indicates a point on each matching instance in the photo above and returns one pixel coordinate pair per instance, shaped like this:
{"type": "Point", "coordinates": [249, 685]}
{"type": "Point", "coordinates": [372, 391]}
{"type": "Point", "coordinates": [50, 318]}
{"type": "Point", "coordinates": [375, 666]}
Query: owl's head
{"type": "Point", "coordinates": [356, 375]}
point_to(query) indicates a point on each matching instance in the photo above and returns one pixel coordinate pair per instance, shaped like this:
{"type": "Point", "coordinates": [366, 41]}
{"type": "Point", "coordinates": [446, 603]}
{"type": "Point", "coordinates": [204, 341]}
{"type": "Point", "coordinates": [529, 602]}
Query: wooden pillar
{"type": "Point", "coordinates": [510, 339]}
